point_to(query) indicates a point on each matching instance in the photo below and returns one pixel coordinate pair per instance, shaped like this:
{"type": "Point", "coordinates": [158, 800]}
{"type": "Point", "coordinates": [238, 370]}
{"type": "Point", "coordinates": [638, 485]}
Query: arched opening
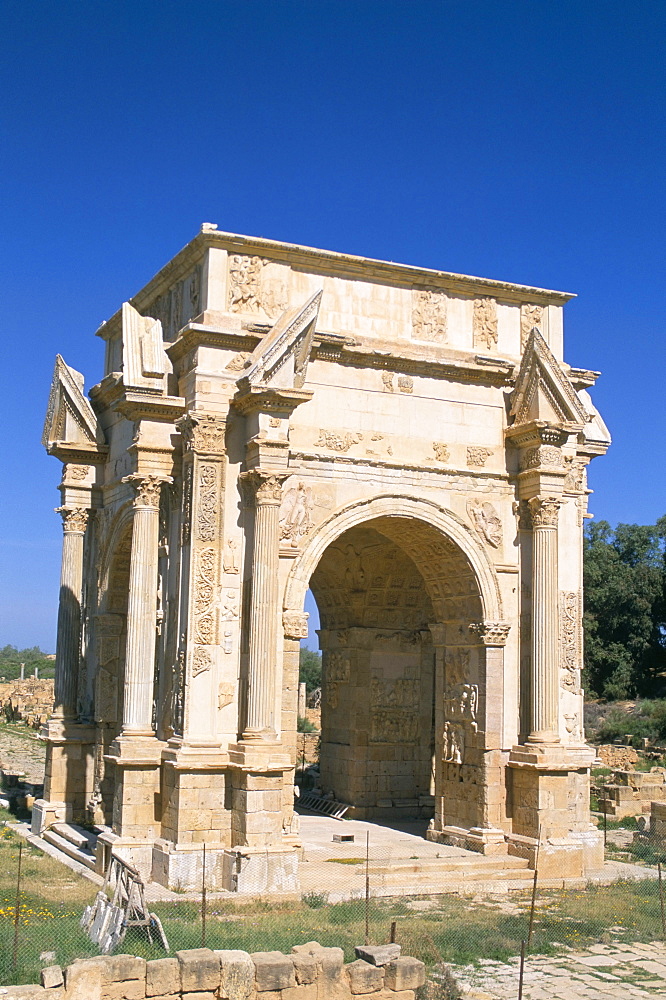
{"type": "Point", "coordinates": [403, 673]}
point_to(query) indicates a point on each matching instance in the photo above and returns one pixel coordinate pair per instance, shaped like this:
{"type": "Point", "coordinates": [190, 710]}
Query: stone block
{"type": "Point", "coordinates": [236, 975]}
{"type": "Point", "coordinates": [28, 993]}
{"type": "Point", "coordinates": [308, 992]}
{"type": "Point", "coordinates": [52, 976]}
{"type": "Point", "coordinates": [363, 977]}
{"type": "Point", "coordinates": [199, 970]}
{"type": "Point", "coordinates": [273, 970]}
{"type": "Point", "coordinates": [405, 973]}
{"type": "Point", "coordinates": [119, 968]}
{"type": "Point", "coordinates": [400, 995]}
{"type": "Point", "coordinates": [162, 977]}
{"type": "Point", "coordinates": [205, 995]}
{"type": "Point", "coordinates": [83, 980]}
{"type": "Point", "coordinates": [305, 966]}
{"type": "Point", "coordinates": [378, 954]}
{"type": "Point", "coordinates": [130, 989]}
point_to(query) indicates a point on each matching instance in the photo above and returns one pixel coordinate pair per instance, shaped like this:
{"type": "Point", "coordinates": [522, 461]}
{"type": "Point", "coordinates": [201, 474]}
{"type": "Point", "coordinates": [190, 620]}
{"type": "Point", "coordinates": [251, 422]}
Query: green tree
{"type": "Point", "coordinates": [624, 619]}
{"type": "Point", "coordinates": [310, 668]}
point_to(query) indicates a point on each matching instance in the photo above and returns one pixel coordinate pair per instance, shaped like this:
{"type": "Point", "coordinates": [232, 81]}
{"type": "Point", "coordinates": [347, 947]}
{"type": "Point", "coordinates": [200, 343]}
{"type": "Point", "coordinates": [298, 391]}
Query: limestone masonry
{"type": "Point", "coordinates": [409, 444]}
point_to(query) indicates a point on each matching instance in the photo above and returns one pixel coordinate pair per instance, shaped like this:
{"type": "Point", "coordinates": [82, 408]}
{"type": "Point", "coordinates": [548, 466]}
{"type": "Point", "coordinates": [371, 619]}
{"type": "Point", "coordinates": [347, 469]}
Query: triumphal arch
{"type": "Point", "coordinates": [407, 443]}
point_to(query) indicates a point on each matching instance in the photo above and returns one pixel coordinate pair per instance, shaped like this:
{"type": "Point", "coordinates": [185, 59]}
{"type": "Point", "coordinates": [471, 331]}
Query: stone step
{"type": "Point", "coordinates": [483, 863]}
{"type": "Point", "coordinates": [75, 835]}
{"type": "Point", "coordinates": [84, 856]}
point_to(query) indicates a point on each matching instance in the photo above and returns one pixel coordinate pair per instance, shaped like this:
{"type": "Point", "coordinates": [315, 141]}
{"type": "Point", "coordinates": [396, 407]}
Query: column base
{"type": "Point", "coordinates": [479, 839]}
{"type": "Point", "coordinates": [137, 805]}
{"type": "Point", "coordinates": [45, 814]}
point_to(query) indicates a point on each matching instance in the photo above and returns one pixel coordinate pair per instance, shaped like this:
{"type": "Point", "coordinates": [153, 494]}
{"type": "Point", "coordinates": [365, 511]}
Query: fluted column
{"type": "Point", "coordinates": [267, 490]}
{"type": "Point", "coordinates": [544, 698]}
{"type": "Point", "coordinates": [142, 607]}
{"type": "Point", "coordinates": [68, 642]}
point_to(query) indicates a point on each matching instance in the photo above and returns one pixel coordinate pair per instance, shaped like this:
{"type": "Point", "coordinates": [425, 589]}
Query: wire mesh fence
{"type": "Point", "coordinates": [440, 904]}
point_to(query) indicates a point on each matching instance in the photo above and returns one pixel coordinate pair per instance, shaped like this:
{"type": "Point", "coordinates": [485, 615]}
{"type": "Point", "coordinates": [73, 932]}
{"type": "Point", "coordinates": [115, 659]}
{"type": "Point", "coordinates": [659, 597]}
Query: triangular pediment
{"type": "Point", "coordinates": [145, 363]}
{"type": "Point", "coordinates": [280, 361]}
{"type": "Point", "coordinates": [69, 416]}
{"type": "Point", "coordinates": [543, 392]}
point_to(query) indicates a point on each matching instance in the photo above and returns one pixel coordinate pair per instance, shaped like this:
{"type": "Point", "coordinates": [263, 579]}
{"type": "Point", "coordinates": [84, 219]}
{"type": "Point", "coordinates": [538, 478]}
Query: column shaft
{"type": "Point", "coordinates": [264, 612]}
{"type": "Point", "coordinates": [68, 640]}
{"type": "Point", "coordinates": [544, 702]}
{"type": "Point", "coordinates": [142, 610]}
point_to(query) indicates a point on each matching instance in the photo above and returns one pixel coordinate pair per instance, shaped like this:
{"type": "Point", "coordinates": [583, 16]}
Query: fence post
{"type": "Point", "coordinates": [17, 908]}
{"type": "Point", "coordinates": [203, 898]}
{"type": "Point", "coordinates": [367, 887]}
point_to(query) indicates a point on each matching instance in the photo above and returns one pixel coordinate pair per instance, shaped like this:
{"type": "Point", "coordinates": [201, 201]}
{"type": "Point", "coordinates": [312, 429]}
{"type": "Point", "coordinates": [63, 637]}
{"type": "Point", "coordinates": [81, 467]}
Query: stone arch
{"type": "Point", "coordinates": [471, 553]}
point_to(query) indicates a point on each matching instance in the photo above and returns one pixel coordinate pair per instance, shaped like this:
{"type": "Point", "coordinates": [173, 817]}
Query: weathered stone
{"type": "Point", "coordinates": [119, 968]}
{"type": "Point", "coordinates": [307, 992]}
{"type": "Point", "coordinates": [162, 977]}
{"type": "Point", "coordinates": [51, 976]}
{"type": "Point", "coordinates": [364, 977]}
{"type": "Point", "coordinates": [199, 970]}
{"type": "Point", "coordinates": [273, 970]}
{"type": "Point", "coordinates": [27, 993]}
{"type": "Point", "coordinates": [305, 966]}
{"type": "Point", "coordinates": [128, 989]}
{"type": "Point", "coordinates": [83, 980]}
{"type": "Point", "coordinates": [405, 973]}
{"type": "Point", "coordinates": [378, 954]}
{"type": "Point", "coordinates": [236, 974]}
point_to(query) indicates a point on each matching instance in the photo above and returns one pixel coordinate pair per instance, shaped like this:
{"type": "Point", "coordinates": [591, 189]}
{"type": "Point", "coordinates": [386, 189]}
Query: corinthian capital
{"type": "Point", "coordinates": [491, 633]}
{"type": "Point", "coordinates": [263, 488]}
{"type": "Point", "coordinates": [202, 433]}
{"type": "Point", "coordinates": [544, 511]}
{"type": "Point", "coordinates": [148, 489]}
{"type": "Point", "coordinates": [74, 519]}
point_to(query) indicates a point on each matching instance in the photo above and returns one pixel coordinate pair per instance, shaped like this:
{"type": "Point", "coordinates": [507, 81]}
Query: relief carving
{"type": "Point", "coordinates": [337, 440]}
{"type": "Point", "coordinates": [207, 513]}
{"type": "Point", "coordinates": [545, 454]}
{"type": "Point", "coordinates": [429, 315]}
{"type": "Point", "coordinates": [491, 633]}
{"type": "Point", "coordinates": [454, 742]}
{"type": "Point", "coordinates": [296, 513]}
{"type": "Point", "coordinates": [225, 694]}
{"type": "Point", "coordinates": [186, 523]}
{"type": "Point", "coordinates": [238, 362]}
{"type": "Point", "coordinates": [575, 480]}
{"type": "Point", "coordinates": [230, 556]}
{"type": "Point", "coordinates": [148, 490]}
{"type": "Point", "coordinates": [76, 472]}
{"type": "Point", "coordinates": [570, 645]}
{"type": "Point", "coordinates": [74, 519]}
{"type": "Point", "coordinates": [530, 317]}
{"type": "Point", "coordinates": [202, 433]}
{"type": "Point", "coordinates": [337, 668]}
{"type": "Point", "coordinates": [485, 324]}
{"type": "Point", "coordinates": [244, 278]}
{"type": "Point", "coordinates": [486, 521]}
{"type": "Point", "coordinates": [387, 381]}
{"type": "Point", "coordinates": [544, 511]}
{"type": "Point", "coordinates": [441, 451]}
{"type": "Point", "coordinates": [477, 456]}
{"type": "Point", "coordinates": [204, 592]}
{"type": "Point", "coordinates": [201, 661]}
{"type": "Point", "coordinates": [393, 725]}
{"type": "Point", "coordinates": [405, 383]}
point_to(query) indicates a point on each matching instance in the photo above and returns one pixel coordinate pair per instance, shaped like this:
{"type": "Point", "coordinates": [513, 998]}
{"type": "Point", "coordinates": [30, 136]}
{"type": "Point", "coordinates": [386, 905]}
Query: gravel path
{"type": "Point", "coordinates": [22, 750]}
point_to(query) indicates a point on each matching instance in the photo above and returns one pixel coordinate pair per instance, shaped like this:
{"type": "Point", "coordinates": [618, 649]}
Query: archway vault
{"type": "Point", "coordinates": [432, 536]}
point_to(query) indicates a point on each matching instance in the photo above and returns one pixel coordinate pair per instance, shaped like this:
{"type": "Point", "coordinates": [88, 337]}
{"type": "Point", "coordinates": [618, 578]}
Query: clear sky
{"type": "Point", "coordinates": [515, 140]}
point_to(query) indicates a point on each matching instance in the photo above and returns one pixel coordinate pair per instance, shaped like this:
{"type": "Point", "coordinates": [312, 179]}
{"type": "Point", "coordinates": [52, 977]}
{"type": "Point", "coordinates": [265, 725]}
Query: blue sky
{"type": "Point", "coordinates": [516, 140]}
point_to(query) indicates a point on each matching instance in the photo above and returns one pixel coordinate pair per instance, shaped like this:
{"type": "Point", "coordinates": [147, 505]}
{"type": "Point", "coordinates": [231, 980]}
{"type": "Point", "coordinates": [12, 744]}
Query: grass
{"type": "Point", "coordinates": [436, 929]}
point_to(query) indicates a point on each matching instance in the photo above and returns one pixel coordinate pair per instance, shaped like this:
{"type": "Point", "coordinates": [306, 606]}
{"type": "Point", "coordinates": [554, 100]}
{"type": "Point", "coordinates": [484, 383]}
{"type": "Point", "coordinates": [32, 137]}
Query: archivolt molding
{"type": "Point", "coordinates": [120, 524]}
{"type": "Point", "coordinates": [394, 505]}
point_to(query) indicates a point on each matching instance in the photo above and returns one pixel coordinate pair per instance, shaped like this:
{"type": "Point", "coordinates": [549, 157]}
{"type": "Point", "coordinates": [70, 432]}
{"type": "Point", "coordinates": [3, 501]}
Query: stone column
{"type": "Point", "coordinates": [74, 521]}
{"type": "Point", "coordinates": [544, 694]}
{"type": "Point", "coordinates": [264, 606]}
{"type": "Point", "coordinates": [142, 607]}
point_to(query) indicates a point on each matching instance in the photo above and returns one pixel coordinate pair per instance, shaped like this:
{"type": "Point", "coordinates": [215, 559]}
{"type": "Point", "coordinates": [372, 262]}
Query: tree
{"type": "Point", "coordinates": [625, 609]}
{"type": "Point", "coordinates": [310, 668]}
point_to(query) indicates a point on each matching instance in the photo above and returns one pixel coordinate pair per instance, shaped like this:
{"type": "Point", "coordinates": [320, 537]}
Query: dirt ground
{"type": "Point", "coordinates": [22, 750]}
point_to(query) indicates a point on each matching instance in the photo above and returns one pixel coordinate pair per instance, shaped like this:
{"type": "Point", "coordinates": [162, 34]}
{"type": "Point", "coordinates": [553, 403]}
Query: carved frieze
{"type": "Point", "coordinates": [74, 519]}
{"type": "Point", "coordinates": [202, 433]}
{"type": "Point", "coordinates": [201, 661]}
{"type": "Point", "coordinates": [204, 592]}
{"type": "Point", "coordinates": [485, 324]}
{"type": "Point", "coordinates": [393, 725]}
{"type": "Point", "coordinates": [178, 305]}
{"type": "Point", "coordinates": [75, 472]}
{"type": "Point", "coordinates": [387, 381]}
{"type": "Point", "coordinates": [186, 522]}
{"type": "Point", "coordinates": [337, 440]}
{"type": "Point", "coordinates": [530, 317]}
{"type": "Point", "coordinates": [337, 667]}
{"type": "Point", "coordinates": [545, 454]}
{"type": "Point", "coordinates": [570, 641]}
{"type": "Point", "coordinates": [477, 456]}
{"type": "Point", "coordinates": [429, 319]}
{"type": "Point", "coordinates": [405, 384]}
{"type": "Point", "coordinates": [244, 280]}
{"type": "Point", "coordinates": [454, 742]}
{"type": "Point", "coordinates": [486, 521]}
{"type": "Point", "coordinates": [295, 624]}
{"type": "Point", "coordinates": [296, 513]}
{"type": "Point", "coordinates": [441, 451]}
{"type": "Point", "coordinates": [544, 511]}
{"type": "Point", "coordinates": [491, 633]}
{"type": "Point", "coordinates": [575, 480]}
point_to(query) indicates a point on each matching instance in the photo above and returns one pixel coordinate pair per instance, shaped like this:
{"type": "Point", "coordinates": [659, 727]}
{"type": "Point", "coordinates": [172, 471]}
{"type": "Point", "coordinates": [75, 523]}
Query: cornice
{"type": "Point", "coordinates": [138, 406]}
{"type": "Point", "coordinates": [378, 463]}
{"type": "Point", "coordinates": [79, 454]}
{"type": "Point", "coordinates": [195, 335]}
{"type": "Point", "coordinates": [457, 367]}
{"type": "Point", "coordinates": [250, 399]}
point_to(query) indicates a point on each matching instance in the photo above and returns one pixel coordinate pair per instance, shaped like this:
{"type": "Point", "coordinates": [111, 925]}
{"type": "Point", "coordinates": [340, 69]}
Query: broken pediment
{"type": "Point", "coordinates": [280, 361]}
{"type": "Point", "coordinates": [543, 392]}
{"type": "Point", "coordinates": [70, 419]}
{"type": "Point", "coordinates": [145, 363]}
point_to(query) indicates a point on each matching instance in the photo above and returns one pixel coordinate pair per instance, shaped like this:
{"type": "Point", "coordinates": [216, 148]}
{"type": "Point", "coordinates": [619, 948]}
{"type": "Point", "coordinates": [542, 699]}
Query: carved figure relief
{"type": "Point", "coordinates": [76, 472]}
{"type": "Point", "coordinates": [394, 710]}
{"type": "Point", "coordinates": [485, 324]}
{"type": "Point", "coordinates": [429, 307]}
{"type": "Point", "coordinates": [295, 624]}
{"type": "Point", "coordinates": [575, 480]}
{"type": "Point", "coordinates": [405, 383]}
{"type": "Point", "coordinates": [454, 742]}
{"type": "Point", "coordinates": [208, 502]}
{"type": "Point", "coordinates": [244, 277]}
{"type": "Point", "coordinates": [387, 381]}
{"type": "Point", "coordinates": [337, 440]}
{"type": "Point", "coordinates": [202, 433]}
{"type": "Point", "coordinates": [477, 456]}
{"type": "Point", "coordinates": [337, 667]}
{"type": "Point", "coordinates": [486, 521]}
{"type": "Point", "coordinates": [441, 451]}
{"type": "Point", "coordinates": [570, 645]}
{"type": "Point", "coordinates": [530, 317]}
{"type": "Point", "coordinates": [230, 556]}
{"type": "Point", "coordinates": [393, 726]}
{"type": "Point", "coordinates": [545, 454]}
{"type": "Point", "coordinates": [238, 362]}
{"type": "Point", "coordinates": [229, 606]}
{"type": "Point", "coordinates": [225, 694]}
{"type": "Point", "coordinates": [296, 513]}
{"type": "Point", "coordinates": [178, 305]}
